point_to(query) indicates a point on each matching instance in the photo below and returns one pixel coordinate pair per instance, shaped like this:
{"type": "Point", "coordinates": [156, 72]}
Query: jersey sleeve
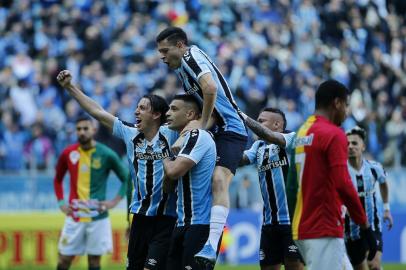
{"type": "Point", "coordinates": [380, 172]}
{"type": "Point", "coordinates": [122, 129]}
{"type": "Point", "coordinates": [121, 171]}
{"type": "Point", "coordinates": [196, 145]}
{"type": "Point", "coordinates": [60, 171]}
{"type": "Point", "coordinates": [252, 152]}
{"type": "Point", "coordinates": [337, 150]}
{"type": "Point", "coordinates": [289, 139]}
{"type": "Point", "coordinates": [196, 63]}
{"type": "Point", "coordinates": [337, 158]}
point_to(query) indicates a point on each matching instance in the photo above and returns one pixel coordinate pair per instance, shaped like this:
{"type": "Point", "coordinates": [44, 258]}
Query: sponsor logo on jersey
{"type": "Point", "coordinates": [151, 155]}
{"type": "Point", "coordinates": [303, 141]}
{"type": "Point", "coordinates": [273, 164]}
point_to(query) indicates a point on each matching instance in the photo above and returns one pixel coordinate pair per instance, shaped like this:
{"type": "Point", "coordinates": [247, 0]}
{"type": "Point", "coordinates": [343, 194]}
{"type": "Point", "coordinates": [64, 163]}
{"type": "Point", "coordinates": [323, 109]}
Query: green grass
{"type": "Point", "coordinates": [219, 267]}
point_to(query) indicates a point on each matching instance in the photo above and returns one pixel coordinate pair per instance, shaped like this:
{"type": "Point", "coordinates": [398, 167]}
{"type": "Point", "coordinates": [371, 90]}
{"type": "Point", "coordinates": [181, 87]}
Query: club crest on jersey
{"type": "Point", "coordinates": [96, 163]}
{"type": "Point", "coordinates": [275, 149]}
{"type": "Point", "coordinates": [74, 157]}
{"type": "Point", "coordinates": [162, 145]}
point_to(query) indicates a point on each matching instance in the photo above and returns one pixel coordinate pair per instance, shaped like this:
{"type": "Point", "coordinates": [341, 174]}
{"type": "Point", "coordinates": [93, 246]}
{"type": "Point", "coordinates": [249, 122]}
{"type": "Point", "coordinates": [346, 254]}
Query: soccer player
{"type": "Point", "coordinates": [192, 169]}
{"type": "Point", "coordinates": [269, 154]}
{"type": "Point", "coordinates": [87, 228]}
{"type": "Point", "coordinates": [319, 184]}
{"type": "Point", "coordinates": [364, 175]}
{"type": "Point", "coordinates": [147, 144]}
{"type": "Point", "coordinates": [200, 77]}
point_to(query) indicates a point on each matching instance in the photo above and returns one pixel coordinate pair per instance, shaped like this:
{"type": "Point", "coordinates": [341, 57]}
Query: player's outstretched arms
{"type": "Point", "coordinates": [90, 106]}
{"type": "Point", "coordinates": [263, 132]}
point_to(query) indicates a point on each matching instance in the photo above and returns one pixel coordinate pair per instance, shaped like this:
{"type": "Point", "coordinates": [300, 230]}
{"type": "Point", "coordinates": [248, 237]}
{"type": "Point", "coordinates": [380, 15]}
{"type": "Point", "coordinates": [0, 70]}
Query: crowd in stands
{"type": "Point", "coordinates": [273, 53]}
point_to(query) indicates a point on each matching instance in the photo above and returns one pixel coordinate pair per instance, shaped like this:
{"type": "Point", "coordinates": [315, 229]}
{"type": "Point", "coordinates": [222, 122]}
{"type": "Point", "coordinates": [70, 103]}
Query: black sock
{"type": "Point", "coordinates": [61, 268]}
{"type": "Point", "coordinates": [94, 268]}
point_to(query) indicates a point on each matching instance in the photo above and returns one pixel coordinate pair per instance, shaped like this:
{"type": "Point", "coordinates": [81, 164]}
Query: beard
{"type": "Point", "coordinates": [84, 140]}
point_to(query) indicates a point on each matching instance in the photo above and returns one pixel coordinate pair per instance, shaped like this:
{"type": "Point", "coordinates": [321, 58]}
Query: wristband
{"type": "Point", "coordinates": [386, 206]}
{"type": "Point", "coordinates": [61, 203]}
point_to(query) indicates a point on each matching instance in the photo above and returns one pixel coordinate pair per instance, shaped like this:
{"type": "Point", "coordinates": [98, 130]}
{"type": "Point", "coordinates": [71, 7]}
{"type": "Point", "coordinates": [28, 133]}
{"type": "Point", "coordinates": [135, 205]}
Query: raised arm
{"type": "Point", "coordinates": [264, 133]}
{"type": "Point", "coordinates": [90, 106]}
{"type": "Point", "coordinates": [209, 89]}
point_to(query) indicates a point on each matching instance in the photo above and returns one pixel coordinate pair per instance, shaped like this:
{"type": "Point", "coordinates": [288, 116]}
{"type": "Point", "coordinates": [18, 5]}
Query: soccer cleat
{"type": "Point", "coordinates": [206, 257]}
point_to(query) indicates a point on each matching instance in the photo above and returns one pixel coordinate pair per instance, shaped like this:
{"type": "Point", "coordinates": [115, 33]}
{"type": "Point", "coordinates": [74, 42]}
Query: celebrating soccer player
{"type": "Point", "coordinates": [147, 144]}
{"type": "Point", "coordinates": [364, 175]}
{"type": "Point", "coordinates": [269, 154]}
{"type": "Point", "coordinates": [192, 169]}
{"type": "Point", "coordinates": [87, 228]}
{"type": "Point", "coordinates": [200, 77]}
{"type": "Point", "coordinates": [319, 184]}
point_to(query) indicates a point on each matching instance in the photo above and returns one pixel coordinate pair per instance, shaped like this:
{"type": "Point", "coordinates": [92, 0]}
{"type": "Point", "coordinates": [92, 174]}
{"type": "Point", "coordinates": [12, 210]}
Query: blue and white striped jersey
{"type": "Point", "coordinates": [147, 170]}
{"type": "Point", "coordinates": [196, 63]}
{"type": "Point", "coordinates": [272, 162]}
{"type": "Point", "coordinates": [194, 189]}
{"type": "Point", "coordinates": [364, 182]}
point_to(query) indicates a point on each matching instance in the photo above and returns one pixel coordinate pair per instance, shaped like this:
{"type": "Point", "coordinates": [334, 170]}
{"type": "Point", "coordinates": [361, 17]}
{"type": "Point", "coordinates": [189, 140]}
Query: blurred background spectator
{"type": "Point", "coordinates": [273, 53]}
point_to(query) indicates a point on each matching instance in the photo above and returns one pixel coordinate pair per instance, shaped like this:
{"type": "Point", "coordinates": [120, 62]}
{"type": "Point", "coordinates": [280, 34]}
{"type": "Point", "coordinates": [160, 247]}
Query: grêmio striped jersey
{"type": "Point", "coordinates": [194, 188]}
{"type": "Point", "coordinates": [147, 170]}
{"type": "Point", "coordinates": [89, 170]}
{"type": "Point", "coordinates": [196, 63]}
{"type": "Point", "coordinates": [364, 182]}
{"type": "Point", "coordinates": [272, 163]}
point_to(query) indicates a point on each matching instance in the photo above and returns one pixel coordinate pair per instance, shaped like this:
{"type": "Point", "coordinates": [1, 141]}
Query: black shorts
{"type": "Point", "coordinates": [186, 241]}
{"type": "Point", "coordinates": [378, 236]}
{"type": "Point", "coordinates": [357, 249]}
{"type": "Point", "coordinates": [149, 242]}
{"type": "Point", "coordinates": [277, 245]}
{"type": "Point", "coordinates": [230, 148]}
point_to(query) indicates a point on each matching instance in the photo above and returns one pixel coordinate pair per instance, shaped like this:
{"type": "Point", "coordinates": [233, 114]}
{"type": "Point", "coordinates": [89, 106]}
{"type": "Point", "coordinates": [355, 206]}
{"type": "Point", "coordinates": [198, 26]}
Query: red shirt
{"type": "Point", "coordinates": [324, 182]}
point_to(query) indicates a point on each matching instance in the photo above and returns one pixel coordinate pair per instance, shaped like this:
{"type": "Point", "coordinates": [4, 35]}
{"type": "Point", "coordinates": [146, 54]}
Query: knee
{"type": "Point", "coordinates": [94, 261]}
{"type": "Point", "coordinates": [64, 262]}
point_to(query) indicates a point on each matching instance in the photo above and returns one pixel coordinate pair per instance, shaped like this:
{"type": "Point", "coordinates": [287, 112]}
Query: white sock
{"type": "Point", "coordinates": [218, 218]}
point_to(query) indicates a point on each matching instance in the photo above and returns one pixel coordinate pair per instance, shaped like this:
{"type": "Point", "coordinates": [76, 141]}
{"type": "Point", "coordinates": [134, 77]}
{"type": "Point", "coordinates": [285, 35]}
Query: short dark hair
{"type": "Point", "coordinates": [158, 104]}
{"type": "Point", "coordinates": [83, 117]}
{"type": "Point", "coordinates": [275, 110]}
{"type": "Point", "coordinates": [328, 91]}
{"type": "Point", "coordinates": [189, 99]}
{"type": "Point", "coordinates": [357, 130]}
{"type": "Point", "coordinates": [173, 34]}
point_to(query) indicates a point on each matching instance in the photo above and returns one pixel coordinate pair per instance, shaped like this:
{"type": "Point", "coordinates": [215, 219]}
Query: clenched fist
{"type": "Point", "coordinates": [64, 78]}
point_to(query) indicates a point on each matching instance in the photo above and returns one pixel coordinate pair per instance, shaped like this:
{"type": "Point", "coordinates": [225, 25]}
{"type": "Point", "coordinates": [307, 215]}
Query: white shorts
{"type": "Point", "coordinates": [324, 253]}
{"type": "Point", "coordinates": [91, 238]}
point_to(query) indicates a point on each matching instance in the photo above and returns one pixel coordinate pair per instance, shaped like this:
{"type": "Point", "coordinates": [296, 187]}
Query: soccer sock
{"type": "Point", "coordinates": [94, 268]}
{"type": "Point", "coordinates": [218, 218]}
{"type": "Point", "coordinates": [61, 268]}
